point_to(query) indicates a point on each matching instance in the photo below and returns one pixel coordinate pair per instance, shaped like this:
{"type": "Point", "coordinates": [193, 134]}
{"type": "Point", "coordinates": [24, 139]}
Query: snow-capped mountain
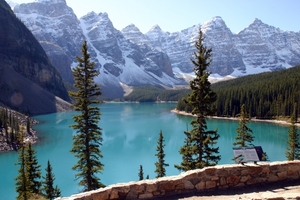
{"type": "Point", "coordinates": [258, 48]}
{"type": "Point", "coordinates": [267, 48]}
{"type": "Point", "coordinates": [120, 61]}
{"type": "Point", "coordinates": [130, 58]}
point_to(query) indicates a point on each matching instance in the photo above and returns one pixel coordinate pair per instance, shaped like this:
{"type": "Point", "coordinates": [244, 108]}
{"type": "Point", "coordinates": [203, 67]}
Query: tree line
{"type": "Point", "coordinates": [155, 93]}
{"type": "Point", "coordinates": [269, 95]}
{"type": "Point", "coordinates": [28, 182]}
{"type": "Point", "coordinates": [11, 129]}
{"type": "Point", "coordinates": [266, 95]}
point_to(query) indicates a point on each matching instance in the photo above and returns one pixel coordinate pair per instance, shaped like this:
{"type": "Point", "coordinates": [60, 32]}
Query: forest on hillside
{"type": "Point", "coordinates": [155, 93]}
{"type": "Point", "coordinates": [267, 95]}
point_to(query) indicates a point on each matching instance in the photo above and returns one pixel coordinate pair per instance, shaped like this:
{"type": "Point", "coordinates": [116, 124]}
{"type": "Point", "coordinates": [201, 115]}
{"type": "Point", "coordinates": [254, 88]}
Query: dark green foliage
{"type": "Point", "coordinates": [186, 151]}
{"type": "Point", "coordinates": [155, 93]}
{"type": "Point", "coordinates": [33, 169]}
{"type": "Point", "coordinates": [201, 142]}
{"type": "Point", "coordinates": [183, 106]}
{"type": "Point", "coordinates": [293, 148]}
{"type": "Point", "coordinates": [23, 184]}
{"type": "Point", "coordinates": [270, 95]}
{"type": "Point", "coordinates": [160, 164]}
{"type": "Point", "coordinates": [28, 125]}
{"type": "Point", "coordinates": [8, 121]}
{"type": "Point", "coordinates": [244, 137]}
{"type": "Point", "coordinates": [49, 191]}
{"type": "Point", "coordinates": [141, 173]}
{"type": "Point", "coordinates": [88, 137]}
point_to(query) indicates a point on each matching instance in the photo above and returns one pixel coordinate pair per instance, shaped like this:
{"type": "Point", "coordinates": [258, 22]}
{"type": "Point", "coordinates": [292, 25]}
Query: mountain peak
{"type": "Point", "coordinates": [257, 23]}
{"type": "Point", "coordinates": [96, 17]}
{"type": "Point", "coordinates": [51, 1]}
{"type": "Point", "coordinates": [155, 28]}
{"type": "Point", "coordinates": [215, 21]}
{"type": "Point", "coordinates": [256, 20]}
{"type": "Point", "coordinates": [104, 15]}
{"type": "Point", "coordinates": [131, 27]}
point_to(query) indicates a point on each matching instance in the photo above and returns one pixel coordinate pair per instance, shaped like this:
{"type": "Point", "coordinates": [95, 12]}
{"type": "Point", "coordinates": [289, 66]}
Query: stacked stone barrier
{"type": "Point", "coordinates": [201, 180]}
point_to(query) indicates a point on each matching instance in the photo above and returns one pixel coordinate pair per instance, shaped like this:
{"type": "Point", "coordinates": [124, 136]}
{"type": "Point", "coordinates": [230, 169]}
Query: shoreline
{"type": "Point", "coordinates": [274, 121]}
{"type": "Point", "coordinates": [30, 137]}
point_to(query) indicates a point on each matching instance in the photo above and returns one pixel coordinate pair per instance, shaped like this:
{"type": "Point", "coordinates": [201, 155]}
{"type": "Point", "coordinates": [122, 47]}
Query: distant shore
{"type": "Point", "coordinates": [30, 137]}
{"type": "Point", "coordinates": [235, 118]}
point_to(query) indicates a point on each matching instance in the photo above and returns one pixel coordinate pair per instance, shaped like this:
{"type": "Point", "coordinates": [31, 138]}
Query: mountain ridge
{"type": "Point", "coordinates": [28, 81]}
{"type": "Point", "coordinates": [129, 57]}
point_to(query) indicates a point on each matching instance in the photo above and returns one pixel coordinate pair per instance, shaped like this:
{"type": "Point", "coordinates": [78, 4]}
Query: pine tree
{"type": "Point", "coordinates": [244, 137]}
{"type": "Point", "coordinates": [293, 148]}
{"type": "Point", "coordinates": [201, 142]}
{"type": "Point", "coordinates": [33, 169]}
{"type": "Point", "coordinates": [23, 184]}
{"type": "Point", "coordinates": [160, 164]}
{"type": "Point", "coordinates": [141, 173]}
{"type": "Point", "coordinates": [187, 162]}
{"type": "Point", "coordinates": [28, 125]}
{"type": "Point", "coordinates": [88, 138]}
{"type": "Point", "coordinates": [49, 191]}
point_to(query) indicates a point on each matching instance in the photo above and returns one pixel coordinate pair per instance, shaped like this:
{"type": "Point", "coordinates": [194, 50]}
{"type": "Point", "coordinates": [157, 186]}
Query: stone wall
{"type": "Point", "coordinates": [207, 179]}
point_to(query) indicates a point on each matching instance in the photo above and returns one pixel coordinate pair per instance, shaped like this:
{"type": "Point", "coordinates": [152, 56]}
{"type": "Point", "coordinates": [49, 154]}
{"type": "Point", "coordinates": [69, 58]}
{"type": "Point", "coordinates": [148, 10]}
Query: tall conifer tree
{"type": "Point", "coordinates": [201, 142]}
{"type": "Point", "coordinates": [49, 191]}
{"type": "Point", "coordinates": [293, 148]}
{"type": "Point", "coordinates": [160, 164]}
{"type": "Point", "coordinates": [244, 137]}
{"type": "Point", "coordinates": [33, 169]}
{"type": "Point", "coordinates": [88, 137]}
{"type": "Point", "coordinates": [23, 184]}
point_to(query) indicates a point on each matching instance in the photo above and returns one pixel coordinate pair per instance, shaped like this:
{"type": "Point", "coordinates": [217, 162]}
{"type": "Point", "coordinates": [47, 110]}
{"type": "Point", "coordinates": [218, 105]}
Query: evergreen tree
{"type": "Point", "coordinates": [201, 150]}
{"type": "Point", "coordinates": [33, 169]}
{"type": "Point", "coordinates": [28, 125]}
{"type": "Point", "coordinates": [160, 164]}
{"type": "Point", "coordinates": [88, 138]}
{"type": "Point", "coordinates": [244, 137]}
{"type": "Point", "coordinates": [23, 184]}
{"type": "Point", "coordinates": [187, 162]}
{"type": "Point", "coordinates": [49, 191]}
{"type": "Point", "coordinates": [141, 173]}
{"type": "Point", "coordinates": [293, 148]}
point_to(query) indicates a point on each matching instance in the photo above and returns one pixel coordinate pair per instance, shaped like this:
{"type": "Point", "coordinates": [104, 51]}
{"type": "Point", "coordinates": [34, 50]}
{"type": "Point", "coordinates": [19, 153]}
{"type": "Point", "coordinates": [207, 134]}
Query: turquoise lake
{"type": "Point", "coordinates": [130, 134]}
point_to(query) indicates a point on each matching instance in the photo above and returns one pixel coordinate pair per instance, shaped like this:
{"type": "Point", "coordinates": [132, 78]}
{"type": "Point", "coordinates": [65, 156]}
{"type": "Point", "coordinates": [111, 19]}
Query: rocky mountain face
{"type": "Point", "coordinates": [58, 30]}
{"type": "Point", "coordinates": [130, 58]}
{"type": "Point", "coordinates": [258, 48]}
{"type": "Point", "coordinates": [120, 61]}
{"type": "Point", "coordinates": [28, 81]}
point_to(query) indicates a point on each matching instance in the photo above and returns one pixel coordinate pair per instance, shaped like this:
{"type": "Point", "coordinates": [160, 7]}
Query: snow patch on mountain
{"type": "Point", "coordinates": [129, 57]}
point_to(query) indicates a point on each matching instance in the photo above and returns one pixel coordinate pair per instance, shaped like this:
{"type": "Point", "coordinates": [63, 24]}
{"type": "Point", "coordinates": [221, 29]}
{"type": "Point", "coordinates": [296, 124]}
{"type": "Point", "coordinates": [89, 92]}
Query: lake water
{"type": "Point", "coordinates": [130, 134]}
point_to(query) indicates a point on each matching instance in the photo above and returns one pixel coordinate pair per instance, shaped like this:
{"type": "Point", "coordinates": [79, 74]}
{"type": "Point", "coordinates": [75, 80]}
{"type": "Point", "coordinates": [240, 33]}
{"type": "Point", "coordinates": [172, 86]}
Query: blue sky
{"type": "Point", "coordinates": [176, 15]}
